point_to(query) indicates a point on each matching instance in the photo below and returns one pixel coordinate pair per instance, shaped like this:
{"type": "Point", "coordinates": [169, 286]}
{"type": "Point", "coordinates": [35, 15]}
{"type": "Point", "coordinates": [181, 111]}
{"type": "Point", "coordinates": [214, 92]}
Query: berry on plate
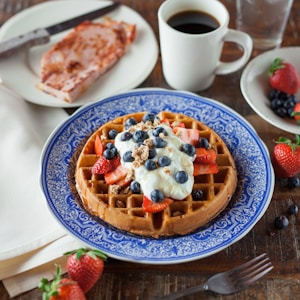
{"type": "Point", "coordinates": [85, 266]}
{"type": "Point", "coordinates": [284, 77]}
{"type": "Point", "coordinates": [286, 157]}
{"type": "Point", "coordinates": [296, 112]}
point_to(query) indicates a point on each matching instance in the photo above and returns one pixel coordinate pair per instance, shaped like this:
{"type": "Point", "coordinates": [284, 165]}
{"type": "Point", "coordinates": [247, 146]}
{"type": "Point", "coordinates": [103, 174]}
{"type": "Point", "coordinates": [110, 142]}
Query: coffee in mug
{"type": "Point", "coordinates": [192, 34]}
{"type": "Point", "coordinates": [193, 22]}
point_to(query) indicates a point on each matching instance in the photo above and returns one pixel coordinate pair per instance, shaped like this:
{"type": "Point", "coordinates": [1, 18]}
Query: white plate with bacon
{"type": "Point", "coordinates": [22, 71]}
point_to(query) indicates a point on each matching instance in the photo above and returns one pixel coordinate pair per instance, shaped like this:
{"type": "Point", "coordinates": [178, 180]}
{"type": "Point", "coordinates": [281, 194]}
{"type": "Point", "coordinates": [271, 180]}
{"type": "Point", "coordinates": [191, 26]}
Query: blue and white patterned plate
{"type": "Point", "coordinates": [252, 197]}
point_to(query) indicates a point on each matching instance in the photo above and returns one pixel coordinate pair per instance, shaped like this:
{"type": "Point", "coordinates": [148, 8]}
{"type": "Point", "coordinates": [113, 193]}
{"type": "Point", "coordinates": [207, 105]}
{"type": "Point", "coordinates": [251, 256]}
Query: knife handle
{"type": "Point", "coordinates": [29, 39]}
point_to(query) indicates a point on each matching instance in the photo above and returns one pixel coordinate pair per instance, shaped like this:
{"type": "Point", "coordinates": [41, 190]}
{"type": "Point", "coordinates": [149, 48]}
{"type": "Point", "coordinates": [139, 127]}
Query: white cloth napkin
{"type": "Point", "coordinates": [29, 234]}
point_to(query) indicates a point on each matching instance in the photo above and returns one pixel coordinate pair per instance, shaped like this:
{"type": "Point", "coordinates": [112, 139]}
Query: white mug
{"type": "Point", "coordinates": [191, 61]}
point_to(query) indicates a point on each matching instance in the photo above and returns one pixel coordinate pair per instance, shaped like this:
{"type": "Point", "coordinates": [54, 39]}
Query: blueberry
{"type": "Point", "coordinates": [158, 130]}
{"type": "Point", "coordinates": [109, 154]}
{"type": "Point", "coordinates": [149, 117]}
{"type": "Point", "coordinates": [126, 136]}
{"type": "Point", "coordinates": [156, 196]}
{"type": "Point", "coordinates": [181, 177]}
{"type": "Point", "coordinates": [150, 165]}
{"type": "Point", "coordinates": [293, 182]}
{"type": "Point", "coordinates": [282, 95]}
{"type": "Point", "coordinates": [281, 112]}
{"type": "Point", "coordinates": [112, 134]}
{"type": "Point", "coordinates": [289, 103]}
{"type": "Point", "coordinates": [130, 122]}
{"type": "Point", "coordinates": [203, 143]}
{"type": "Point", "coordinates": [281, 222]}
{"type": "Point", "coordinates": [159, 142]}
{"type": "Point", "coordinates": [273, 94]}
{"type": "Point", "coordinates": [135, 187]}
{"type": "Point", "coordinates": [197, 194]}
{"type": "Point", "coordinates": [139, 136]}
{"type": "Point", "coordinates": [152, 153]}
{"type": "Point", "coordinates": [276, 103]}
{"type": "Point", "coordinates": [127, 156]}
{"type": "Point", "coordinates": [112, 147]}
{"type": "Point", "coordinates": [293, 209]}
{"type": "Point", "coordinates": [109, 146]}
{"type": "Point", "coordinates": [189, 149]}
{"type": "Point", "coordinates": [164, 161]}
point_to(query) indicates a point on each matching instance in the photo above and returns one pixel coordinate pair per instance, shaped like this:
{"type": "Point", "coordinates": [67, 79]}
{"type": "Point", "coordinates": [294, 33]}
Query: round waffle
{"type": "Point", "coordinates": [125, 210]}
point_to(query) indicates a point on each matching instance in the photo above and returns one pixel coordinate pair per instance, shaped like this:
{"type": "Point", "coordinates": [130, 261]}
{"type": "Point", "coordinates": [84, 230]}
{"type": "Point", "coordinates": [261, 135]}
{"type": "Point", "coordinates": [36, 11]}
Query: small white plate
{"type": "Point", "coordinates": [249, 203]}
{"type": "Point", "coordinates": [255, 86]}
{"type": "Point", "coordinates": [20, 72]}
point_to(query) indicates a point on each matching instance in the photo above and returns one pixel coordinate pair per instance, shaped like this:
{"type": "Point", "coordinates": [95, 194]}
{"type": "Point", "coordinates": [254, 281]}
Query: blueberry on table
{"type": "Point", "coordinates": [293, 182]}
{"type": "Point", "coordinates": [281, 222]}
{"type": "Point", "coordinates": [293, 209]}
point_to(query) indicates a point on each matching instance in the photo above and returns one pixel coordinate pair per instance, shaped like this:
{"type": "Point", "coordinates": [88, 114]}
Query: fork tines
{"type": "Point", "coordinates": [252, 270]}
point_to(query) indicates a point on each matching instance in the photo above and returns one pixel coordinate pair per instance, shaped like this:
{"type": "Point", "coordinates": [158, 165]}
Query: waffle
{"type": "Point", "coordinates": [124, 210]}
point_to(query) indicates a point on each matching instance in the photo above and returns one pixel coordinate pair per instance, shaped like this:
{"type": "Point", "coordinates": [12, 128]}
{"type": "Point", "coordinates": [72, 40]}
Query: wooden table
{"type": "Point", "coordinates": [125, 280]}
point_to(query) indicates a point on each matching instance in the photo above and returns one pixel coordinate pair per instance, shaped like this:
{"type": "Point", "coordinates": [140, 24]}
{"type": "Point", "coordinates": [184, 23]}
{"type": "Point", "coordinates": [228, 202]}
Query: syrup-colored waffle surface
{"type": "Point", "coordinates": [124, 209]}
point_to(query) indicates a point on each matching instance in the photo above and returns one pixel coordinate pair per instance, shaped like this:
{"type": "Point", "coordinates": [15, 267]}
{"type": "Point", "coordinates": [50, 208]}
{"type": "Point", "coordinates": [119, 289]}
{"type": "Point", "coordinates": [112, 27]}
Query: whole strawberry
{"type": "Point", "coordinates": [286, 157]}
{"type": "Point", "coordinates": [284, 77]}
{"type": "Point", "coordinates": [85, 266]}
{"type": "Point", "coordinates": [61, 288]}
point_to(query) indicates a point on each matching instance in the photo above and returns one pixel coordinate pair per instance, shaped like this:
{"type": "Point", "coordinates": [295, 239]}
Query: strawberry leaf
{"type": "Point", "coordinates": [277, 64]}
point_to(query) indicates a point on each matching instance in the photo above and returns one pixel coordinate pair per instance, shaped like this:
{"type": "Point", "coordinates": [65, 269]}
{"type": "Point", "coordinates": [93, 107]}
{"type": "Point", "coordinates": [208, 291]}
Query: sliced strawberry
{"type": "Point", "coordinates": [200, 169]}
{"type": "Point", "coordinates": [116, 175]}
{"type": "Point", "coordinates": [98, 146]}
{"type": "Point", "coordinates": [178, 124]}
{"type": "Point", "coordinates": [152, 207]}
{"type": "Point", "coordinates": [115, 162]}
{"type": "Point", "coordinates": [187, 135]}
{"type": "Point", "coordinates": [166, 122]}
{"type": "Point", "coordinates": [296, 112]}
{"type": "Point", "coordinates": [101, 166]}
{"type": "Point", "coordinates": [205, 156]}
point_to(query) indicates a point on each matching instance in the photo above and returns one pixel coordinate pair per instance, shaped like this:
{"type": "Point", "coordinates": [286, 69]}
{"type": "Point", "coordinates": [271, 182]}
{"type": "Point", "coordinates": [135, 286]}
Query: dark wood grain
{"type": "Point", "coordinates": [124, 280]}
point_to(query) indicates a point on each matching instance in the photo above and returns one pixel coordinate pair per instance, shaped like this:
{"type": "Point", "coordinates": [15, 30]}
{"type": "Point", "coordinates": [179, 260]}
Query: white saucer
{"type": "Point", "coordinates": [255, 86]}
{"type": "Point", "coordinates": [20, 72]}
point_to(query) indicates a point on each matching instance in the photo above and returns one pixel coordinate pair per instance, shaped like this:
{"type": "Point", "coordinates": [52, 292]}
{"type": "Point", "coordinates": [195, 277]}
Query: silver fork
{"type": "Point", "coordinates": [231, 281]}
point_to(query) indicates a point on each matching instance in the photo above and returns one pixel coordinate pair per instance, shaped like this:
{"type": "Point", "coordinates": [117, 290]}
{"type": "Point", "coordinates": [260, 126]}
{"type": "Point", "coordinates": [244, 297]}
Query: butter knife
{"type": "Point", "coordinates": [41, 36]}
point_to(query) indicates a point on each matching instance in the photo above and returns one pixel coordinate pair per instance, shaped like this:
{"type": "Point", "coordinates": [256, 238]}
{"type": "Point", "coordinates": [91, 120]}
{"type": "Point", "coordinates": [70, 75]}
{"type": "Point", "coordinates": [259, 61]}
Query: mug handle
{"type": "Point", "coordinates": [245, 41]}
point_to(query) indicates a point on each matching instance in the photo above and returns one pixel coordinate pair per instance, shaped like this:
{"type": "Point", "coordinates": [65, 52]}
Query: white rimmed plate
{"type": "Point", "coordinates": [254, 191]}
{"type": "Point", "coordinates": [255, 86]}
{"type": "Point", "coordinates": [20, 72]}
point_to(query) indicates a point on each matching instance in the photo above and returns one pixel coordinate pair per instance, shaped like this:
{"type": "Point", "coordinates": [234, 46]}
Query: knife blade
{"type": "Point", "coordinates": [41, 36]}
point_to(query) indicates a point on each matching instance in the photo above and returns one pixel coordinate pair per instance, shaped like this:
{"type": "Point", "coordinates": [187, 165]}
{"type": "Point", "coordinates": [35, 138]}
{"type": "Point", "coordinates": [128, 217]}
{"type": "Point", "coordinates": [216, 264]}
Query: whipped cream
{"type": "Point", "coordinates": [161, 178]}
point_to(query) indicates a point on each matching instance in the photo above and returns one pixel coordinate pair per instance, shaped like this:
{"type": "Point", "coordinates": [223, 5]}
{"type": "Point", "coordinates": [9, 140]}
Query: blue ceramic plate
{"type": "Point", "coordinates": [252, 197]}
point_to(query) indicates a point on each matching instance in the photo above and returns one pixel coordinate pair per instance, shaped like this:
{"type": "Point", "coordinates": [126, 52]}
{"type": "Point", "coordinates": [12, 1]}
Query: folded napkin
{"type": "Point", "coordinates": [29, 234]}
